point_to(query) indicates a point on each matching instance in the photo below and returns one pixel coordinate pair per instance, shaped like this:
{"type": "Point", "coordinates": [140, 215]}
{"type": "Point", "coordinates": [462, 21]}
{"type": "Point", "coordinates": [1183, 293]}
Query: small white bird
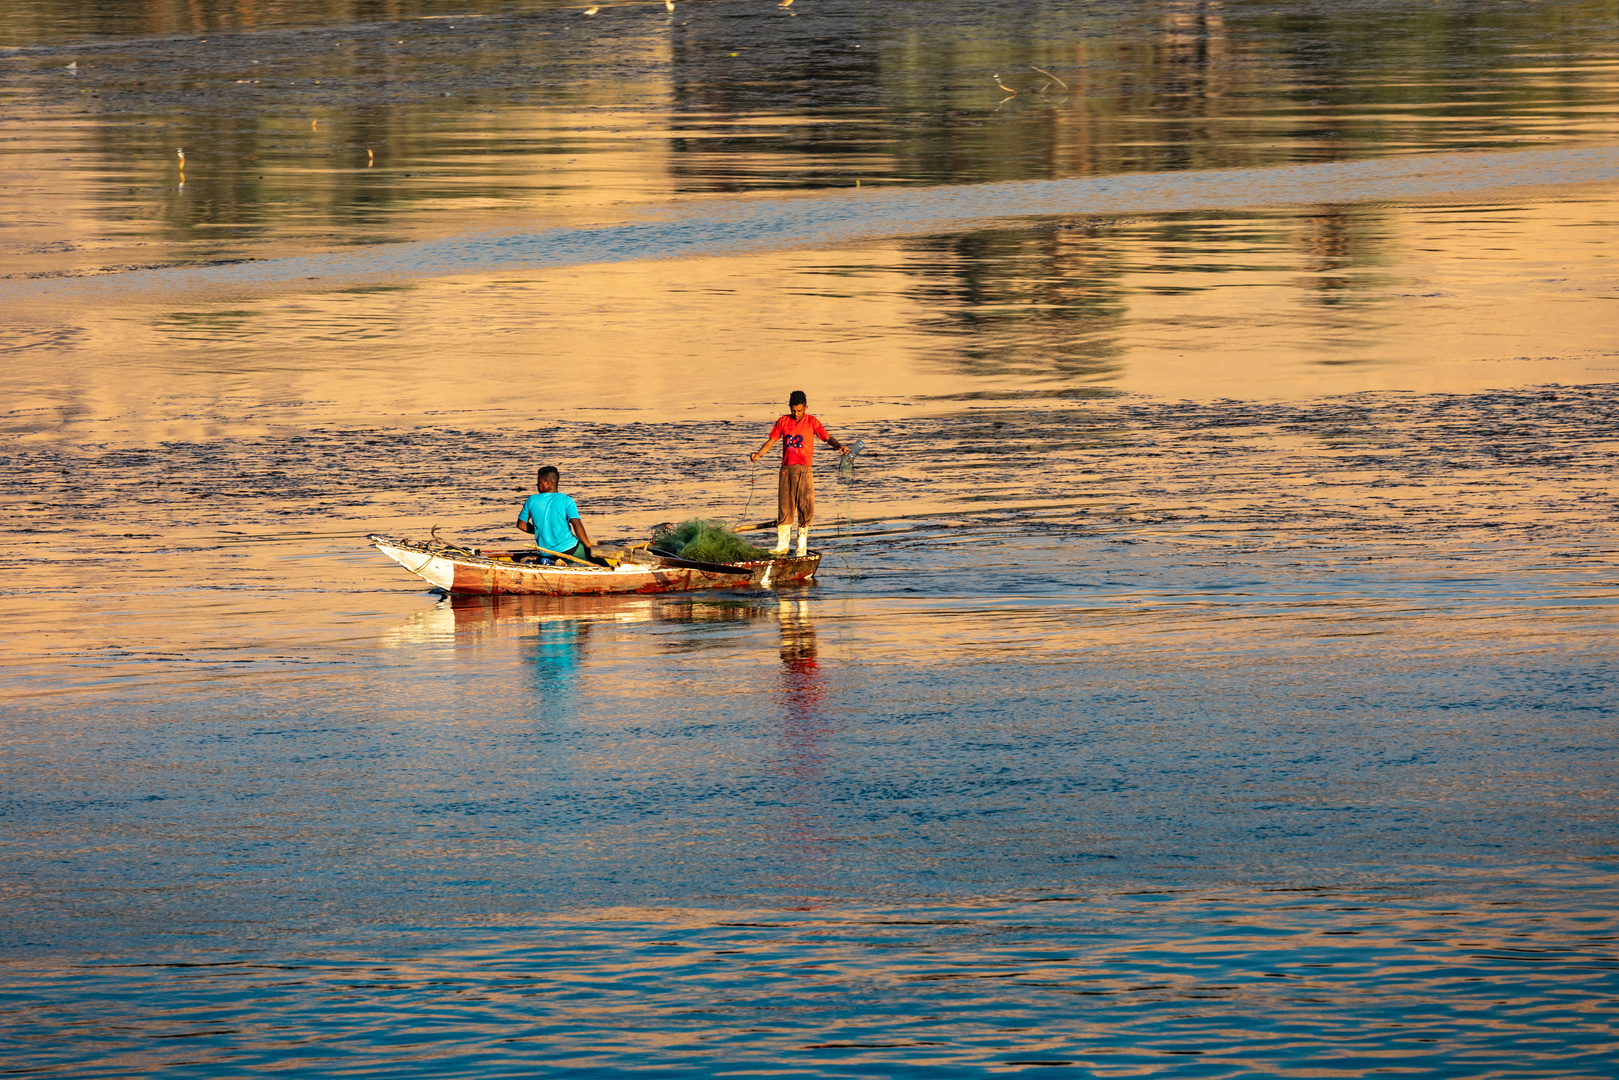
{"type": "Point", "coordinates": [73, 66]}
{"type": "Point", "coordinates": [785, 3]}
{"type": "Point", "coordinates": [591, 10]}
{"type": "Point", "coordinates": [668, 5]}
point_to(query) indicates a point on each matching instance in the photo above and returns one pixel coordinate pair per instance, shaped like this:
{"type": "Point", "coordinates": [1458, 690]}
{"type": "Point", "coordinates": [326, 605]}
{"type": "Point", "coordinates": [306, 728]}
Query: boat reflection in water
{"type": "Point", "coordinates": [569, 659]}
{"type": "Point", "coordinates": [470, 619]}
{"type": "Point", "coordinates": [561, 622]}
{"type": "Point", "coordinates": [541, 642]}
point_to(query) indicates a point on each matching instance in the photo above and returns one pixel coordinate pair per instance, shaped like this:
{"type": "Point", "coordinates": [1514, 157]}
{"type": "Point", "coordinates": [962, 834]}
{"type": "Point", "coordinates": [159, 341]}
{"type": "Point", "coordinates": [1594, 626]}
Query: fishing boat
{"type": "Point", "coordinates": [644, 569]}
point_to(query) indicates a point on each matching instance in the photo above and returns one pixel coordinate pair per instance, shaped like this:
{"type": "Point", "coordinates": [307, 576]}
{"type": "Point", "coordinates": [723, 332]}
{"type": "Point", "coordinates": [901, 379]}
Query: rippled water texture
{"type": "Point", "coordinates": [1211, 671]}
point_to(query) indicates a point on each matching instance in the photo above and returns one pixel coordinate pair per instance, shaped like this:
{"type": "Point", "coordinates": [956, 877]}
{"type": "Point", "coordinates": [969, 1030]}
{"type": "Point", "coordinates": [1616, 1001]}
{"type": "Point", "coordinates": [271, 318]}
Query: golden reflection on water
{"type": "Point", "coordinates": [351, 135]}
{"type": "Point", "coordinates": [253, 549]}
{"type": "Point", "coordinates": [357, 130]}
{"type": "Point", "coordinates": [1270, 306]}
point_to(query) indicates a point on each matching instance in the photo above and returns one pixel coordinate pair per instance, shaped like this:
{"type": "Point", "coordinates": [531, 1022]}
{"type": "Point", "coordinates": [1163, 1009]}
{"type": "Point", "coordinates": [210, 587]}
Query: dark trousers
{"type": "Point", "coordinates": [795, 496]}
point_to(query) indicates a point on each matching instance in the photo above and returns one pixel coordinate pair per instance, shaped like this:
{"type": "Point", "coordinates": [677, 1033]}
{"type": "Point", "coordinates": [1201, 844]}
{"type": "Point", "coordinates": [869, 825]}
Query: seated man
{"type": "Point", "coordinates": [553, 518]}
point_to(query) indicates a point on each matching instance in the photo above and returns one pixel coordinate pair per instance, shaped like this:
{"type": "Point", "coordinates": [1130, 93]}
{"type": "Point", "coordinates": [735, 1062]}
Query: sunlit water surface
{"type": "Point", "coordinates": [1211, 671]}
{"type": "Point", "coordinates": [1195, 740]}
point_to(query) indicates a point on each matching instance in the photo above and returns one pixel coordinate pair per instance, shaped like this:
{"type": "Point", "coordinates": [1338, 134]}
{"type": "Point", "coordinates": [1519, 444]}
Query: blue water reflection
{"type": "Point", "coordinates": [844, 833]}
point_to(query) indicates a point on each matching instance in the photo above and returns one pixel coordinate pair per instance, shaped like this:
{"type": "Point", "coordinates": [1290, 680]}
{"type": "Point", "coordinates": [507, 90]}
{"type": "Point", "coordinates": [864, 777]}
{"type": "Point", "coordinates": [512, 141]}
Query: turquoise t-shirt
{"type": "Point", "coordinates": [550, 511]}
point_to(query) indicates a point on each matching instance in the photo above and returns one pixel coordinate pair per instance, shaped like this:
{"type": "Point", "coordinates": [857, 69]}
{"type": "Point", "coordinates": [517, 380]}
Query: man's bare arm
{"type": "Point", "coordinates": [760, 452]}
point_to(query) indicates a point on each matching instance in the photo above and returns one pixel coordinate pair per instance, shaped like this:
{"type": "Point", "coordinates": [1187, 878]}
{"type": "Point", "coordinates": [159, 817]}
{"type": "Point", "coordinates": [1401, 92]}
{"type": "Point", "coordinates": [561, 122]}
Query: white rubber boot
{"type": "Point", "coordinates": [803, 542]}
{"type": "Point", "coordinates": [782, 533]}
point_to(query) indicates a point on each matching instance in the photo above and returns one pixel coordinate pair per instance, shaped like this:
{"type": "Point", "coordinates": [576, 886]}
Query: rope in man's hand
{"type": "Point", "coordinates": [753, 479]}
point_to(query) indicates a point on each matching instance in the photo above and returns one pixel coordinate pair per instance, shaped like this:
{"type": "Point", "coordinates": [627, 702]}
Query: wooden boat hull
{"type": "Point", "coordinates": [460, 573]}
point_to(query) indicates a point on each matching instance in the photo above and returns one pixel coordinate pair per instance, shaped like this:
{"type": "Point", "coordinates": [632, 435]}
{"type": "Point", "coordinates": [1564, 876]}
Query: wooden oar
{"type": "Point", "coordinates": [570, 558]}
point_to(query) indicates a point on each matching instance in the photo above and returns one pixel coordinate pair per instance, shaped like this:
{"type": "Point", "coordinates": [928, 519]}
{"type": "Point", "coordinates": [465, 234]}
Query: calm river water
{"type": "Point", "coordinates": [1212, 670]}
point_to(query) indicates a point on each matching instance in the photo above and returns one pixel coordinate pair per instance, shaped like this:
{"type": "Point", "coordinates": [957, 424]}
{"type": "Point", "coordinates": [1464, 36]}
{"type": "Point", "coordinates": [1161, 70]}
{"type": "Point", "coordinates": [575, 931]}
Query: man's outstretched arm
{"type": "Point", "coordinates": [760, 452]}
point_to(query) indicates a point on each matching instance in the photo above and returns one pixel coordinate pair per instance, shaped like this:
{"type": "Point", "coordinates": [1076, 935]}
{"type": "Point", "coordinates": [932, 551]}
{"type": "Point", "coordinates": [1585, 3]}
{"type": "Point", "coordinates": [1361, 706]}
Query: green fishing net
{"type": "Point", "coordinates": [708, 541]}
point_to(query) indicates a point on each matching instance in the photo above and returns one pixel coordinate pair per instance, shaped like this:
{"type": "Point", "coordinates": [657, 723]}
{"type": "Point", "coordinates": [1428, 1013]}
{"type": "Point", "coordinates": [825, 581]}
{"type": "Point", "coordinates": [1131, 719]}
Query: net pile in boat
{"type": "Point", "coordinates": [707, 541]}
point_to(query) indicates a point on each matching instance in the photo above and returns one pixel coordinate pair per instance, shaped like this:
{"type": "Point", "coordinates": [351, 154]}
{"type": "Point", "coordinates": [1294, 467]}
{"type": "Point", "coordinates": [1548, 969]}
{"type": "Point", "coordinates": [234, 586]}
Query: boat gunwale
{"type": "Point", "coordinates": [644, 570]}
{"type": "Point", "coordinates": [462, 555]}
{"type": "Point", "coordinates": [455, 554]}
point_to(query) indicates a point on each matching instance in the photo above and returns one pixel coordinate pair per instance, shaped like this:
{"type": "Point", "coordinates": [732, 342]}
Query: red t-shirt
{"type": "Point", "coordinates": [797, 448]}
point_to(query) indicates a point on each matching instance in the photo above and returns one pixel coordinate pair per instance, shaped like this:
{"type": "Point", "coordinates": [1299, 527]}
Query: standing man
{"type": "Point", "coordinates": [795, 491]}
{"type": "Point", "coordinates": [553, 517]}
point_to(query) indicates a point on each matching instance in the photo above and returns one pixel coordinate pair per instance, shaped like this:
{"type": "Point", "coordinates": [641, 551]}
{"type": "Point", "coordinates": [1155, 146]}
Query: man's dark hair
{"type": "Point", "coordinates": [798, 398]}
{"type": "Point", "coordinates": [547, 470]}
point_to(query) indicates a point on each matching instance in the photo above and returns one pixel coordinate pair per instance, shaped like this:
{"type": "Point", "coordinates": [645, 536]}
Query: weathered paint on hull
{"type": "Point", "coordinates": [471, 575]}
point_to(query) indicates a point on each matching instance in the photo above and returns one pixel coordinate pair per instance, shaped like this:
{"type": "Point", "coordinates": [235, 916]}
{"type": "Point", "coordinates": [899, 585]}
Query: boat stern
{"type": "Point", "coordinates": [783, 571]}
